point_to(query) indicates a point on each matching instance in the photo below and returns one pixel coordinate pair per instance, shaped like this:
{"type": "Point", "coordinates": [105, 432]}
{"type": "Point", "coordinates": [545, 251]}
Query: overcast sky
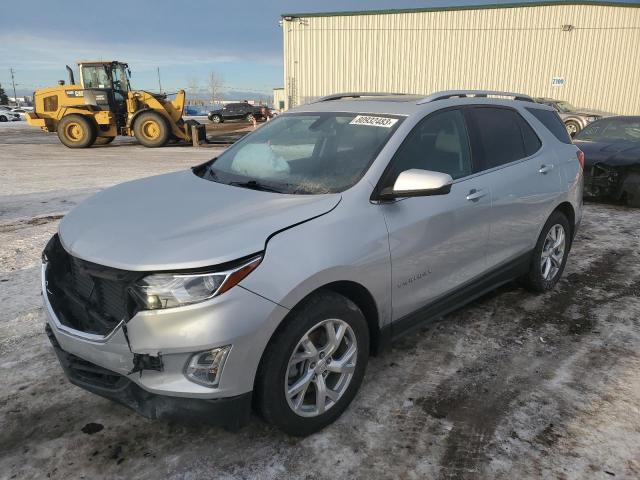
{"type": "Point", "coordinates": [240, 39]}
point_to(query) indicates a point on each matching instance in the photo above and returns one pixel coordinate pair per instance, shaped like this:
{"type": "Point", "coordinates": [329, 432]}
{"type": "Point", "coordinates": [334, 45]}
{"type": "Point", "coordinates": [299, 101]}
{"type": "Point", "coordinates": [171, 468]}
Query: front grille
{"type": "Point", "coordinates": [85, 296]}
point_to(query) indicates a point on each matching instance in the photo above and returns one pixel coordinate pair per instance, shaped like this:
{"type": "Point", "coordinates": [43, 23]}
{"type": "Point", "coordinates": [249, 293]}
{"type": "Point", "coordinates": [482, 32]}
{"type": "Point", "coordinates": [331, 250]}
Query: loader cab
{"type": "Point", "coordinates": [105, 75]}
{"type": "Point", "coordinates": [107, 83]}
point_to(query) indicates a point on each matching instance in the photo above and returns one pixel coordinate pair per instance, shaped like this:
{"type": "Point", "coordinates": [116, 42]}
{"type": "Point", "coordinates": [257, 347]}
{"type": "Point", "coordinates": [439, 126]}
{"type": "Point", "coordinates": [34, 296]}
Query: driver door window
{"type": "Point", "coordinates": [438, 143]}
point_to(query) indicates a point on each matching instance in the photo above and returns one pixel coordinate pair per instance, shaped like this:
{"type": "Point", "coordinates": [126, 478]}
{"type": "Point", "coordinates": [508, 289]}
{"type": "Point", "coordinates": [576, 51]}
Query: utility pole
{"type": "Point", "coordinates": [13, 82]}
{"type": "Point", "coordinates": [159, 84]}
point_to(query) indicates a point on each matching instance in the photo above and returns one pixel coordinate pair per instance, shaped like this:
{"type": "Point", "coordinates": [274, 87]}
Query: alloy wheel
{"type": "Point", "coordinates": [321, 368]}
{"type": "Point", "coordinates": [553, 252]}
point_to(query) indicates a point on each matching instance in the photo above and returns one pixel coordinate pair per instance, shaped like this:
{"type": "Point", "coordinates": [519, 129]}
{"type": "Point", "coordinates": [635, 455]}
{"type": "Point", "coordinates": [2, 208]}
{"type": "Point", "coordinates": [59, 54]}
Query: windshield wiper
{"type": "Point", "coordinates": [255, 185]}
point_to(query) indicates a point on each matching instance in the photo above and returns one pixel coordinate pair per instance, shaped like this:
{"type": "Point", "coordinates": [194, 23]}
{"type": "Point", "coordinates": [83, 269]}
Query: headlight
{"type": "Point", "coordinates": [167, 290]}
{"type": "Point", "coordinates": [592, 119]}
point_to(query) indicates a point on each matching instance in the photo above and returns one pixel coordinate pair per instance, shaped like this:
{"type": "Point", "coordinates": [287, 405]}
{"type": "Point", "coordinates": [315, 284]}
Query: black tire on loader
{"type": "Point", "coordinates": [76, 131]}
{"type": "Point", "coordinates": [152, 130]}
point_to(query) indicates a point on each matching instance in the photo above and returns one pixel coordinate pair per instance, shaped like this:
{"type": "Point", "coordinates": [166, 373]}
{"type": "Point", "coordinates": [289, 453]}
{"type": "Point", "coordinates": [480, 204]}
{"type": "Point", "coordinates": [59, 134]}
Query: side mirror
{"type": "Point", "coordinates": [418, 183]}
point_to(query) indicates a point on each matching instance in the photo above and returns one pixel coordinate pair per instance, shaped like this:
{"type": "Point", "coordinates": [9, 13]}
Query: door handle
{"type": "Point", "coordinates": [545, 169]}
{"type": "Point", "coordinates": [475, 195]}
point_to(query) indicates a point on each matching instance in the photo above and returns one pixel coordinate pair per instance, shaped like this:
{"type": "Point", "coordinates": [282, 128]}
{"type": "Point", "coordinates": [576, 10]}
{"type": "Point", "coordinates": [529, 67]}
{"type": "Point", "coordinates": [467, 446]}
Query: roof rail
{"type": "Point", "coordinates": [473, 93]}
{"type": "Point", "coordinates": [338, 96]}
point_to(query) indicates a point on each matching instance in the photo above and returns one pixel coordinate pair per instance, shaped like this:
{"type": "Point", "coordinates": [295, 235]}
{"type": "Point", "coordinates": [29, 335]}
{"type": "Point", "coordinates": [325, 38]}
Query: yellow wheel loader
{"type": "Point", "coordinates": [102, 106]}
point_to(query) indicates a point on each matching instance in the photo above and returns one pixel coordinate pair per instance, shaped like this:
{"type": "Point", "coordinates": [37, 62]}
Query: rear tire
{"type": "Point", "coordinates": [104, 140]}
{"type": "Point", "coordinates": [152, 130]}
{"type": "Point", "coordinates": [3, 118]}
{"type": "Point", "coordinates": [250, 117]}
{"type": "Point", "coordinates": [76, 131]}
{"type": "Point", "coordinates": [302, 353]}
{"type": "Point", "coordinates": [550, 254]}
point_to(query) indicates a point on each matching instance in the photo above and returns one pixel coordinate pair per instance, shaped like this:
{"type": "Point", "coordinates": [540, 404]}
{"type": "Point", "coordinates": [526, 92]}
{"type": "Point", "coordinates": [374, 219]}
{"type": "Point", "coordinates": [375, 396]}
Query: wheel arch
{"type": "Point", "coordinates": [568, 211]}
{"type": "Point", "coordinates": [364, 300]}
{"type": "Point", "coordinates": [353, 291]}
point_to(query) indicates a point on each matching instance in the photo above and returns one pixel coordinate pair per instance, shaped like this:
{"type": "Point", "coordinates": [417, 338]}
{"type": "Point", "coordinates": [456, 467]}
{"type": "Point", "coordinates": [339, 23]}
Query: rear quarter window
{"type": "Point", "coordinates": [552, 122]}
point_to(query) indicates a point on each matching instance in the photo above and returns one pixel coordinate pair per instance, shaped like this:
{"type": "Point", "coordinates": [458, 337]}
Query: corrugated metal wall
{"type": "Point", "coordinates": [516, 49]}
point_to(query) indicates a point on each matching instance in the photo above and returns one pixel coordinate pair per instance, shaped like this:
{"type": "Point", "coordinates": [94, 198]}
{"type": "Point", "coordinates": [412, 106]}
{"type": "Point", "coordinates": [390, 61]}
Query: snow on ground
{"type": "Point", "coordinates": [513, 386]}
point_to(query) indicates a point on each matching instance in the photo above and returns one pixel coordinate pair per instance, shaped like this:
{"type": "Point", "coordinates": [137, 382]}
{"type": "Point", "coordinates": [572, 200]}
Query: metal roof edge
{"type": "Point", "coordinates": [491, 6]}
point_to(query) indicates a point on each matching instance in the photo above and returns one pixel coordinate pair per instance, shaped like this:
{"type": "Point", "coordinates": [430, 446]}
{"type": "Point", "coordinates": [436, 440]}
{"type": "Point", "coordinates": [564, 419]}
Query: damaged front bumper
{"type": "Point", "coordinates": [144, 360]}
{"type": "Point", "coordinates": [602, 181]}
{"type": "Point", "coordinates": [230, 412]}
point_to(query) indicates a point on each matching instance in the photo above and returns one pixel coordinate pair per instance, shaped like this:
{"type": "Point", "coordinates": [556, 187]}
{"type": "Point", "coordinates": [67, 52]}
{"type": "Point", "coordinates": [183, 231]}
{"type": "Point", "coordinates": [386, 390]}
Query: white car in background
{"type": "Point", "coordinates": [22, 111]}
{"type": "Point", "coordinates": [7, 115]}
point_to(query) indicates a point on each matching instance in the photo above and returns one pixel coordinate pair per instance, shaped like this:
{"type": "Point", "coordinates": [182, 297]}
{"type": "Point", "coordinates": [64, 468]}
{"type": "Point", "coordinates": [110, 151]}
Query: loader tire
{"type": "Point", "coordinates": [152, 130]}
{"type": "Point", "coordinates": [76, 131]}
{"type": "Point", "coordinates": [104, 140]}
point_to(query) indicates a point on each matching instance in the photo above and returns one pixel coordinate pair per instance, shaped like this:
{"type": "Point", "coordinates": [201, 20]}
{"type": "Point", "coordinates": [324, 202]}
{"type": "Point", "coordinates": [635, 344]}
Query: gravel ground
{"type": "Point", "coordinates": [514, 385]}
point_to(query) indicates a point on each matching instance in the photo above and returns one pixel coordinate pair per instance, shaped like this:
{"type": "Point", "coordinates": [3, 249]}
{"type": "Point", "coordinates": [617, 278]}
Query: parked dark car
{"type": "Point", "coordinates": [237, 111]}
{"type": "Point", "coordinates": [574, 118]}
{"type": "Point", "coordinates": [612, 159]}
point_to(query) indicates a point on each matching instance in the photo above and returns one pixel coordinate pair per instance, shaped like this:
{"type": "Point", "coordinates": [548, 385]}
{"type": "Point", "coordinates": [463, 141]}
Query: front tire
{"type": "Point", "coordinates": [76, 131]}
{"type": "Point", "coordinates": [572, 128]}
{"type": "Point", "coordinates": [3, 118]}
{"type": "Point", "coordinates": [314, 364]}
{"type": "Point", "coordinates": [152, 130]}
{"type": "Point", "coordinates": [216, 119]}
{"type": "Point", "coordinates": [550, 254]}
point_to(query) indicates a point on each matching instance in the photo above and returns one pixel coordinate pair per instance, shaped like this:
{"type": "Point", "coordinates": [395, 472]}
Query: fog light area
{"type": "Point", "coordinates": [205, 368]}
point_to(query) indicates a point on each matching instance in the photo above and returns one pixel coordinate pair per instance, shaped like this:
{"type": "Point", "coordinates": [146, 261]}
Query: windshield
{"type": "Point", "coordinates": [611, 129]}
{"type": "Point", "coordinates": [565, 107]}
{"type": "Point", "coordinates": [305, 153]}
{"type": "Point", "coordinates": [95, 76]}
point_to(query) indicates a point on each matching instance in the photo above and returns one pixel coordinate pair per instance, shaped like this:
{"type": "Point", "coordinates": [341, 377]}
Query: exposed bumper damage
{"type": "Point", "coordinates": [612, 171]}
{"type": "Point", "coordinates": [620, 183]}
{"type": "Point", "coordinates": [229, 412]}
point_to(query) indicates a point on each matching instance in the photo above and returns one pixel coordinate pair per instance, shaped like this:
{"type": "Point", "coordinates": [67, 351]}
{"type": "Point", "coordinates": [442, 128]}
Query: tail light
{"type": "Point", "coordinates": [580, 155]}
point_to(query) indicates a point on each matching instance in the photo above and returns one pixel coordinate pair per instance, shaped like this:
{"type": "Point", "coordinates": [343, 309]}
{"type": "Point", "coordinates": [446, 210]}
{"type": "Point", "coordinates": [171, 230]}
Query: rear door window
{"type": "Point", "coordinates": [552, 122]}
{"type": "Point", "coordinates": [502, 136]}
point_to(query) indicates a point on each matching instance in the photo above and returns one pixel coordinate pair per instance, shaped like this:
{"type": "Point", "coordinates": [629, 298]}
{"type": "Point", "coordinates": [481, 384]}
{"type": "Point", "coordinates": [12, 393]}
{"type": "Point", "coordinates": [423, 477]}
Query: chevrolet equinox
{"type": "Point", "coordinates": [264, 278]}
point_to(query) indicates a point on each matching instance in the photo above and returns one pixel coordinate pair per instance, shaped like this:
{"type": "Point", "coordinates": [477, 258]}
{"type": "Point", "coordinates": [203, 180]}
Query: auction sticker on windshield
{"type": "Point", "coordinates": [384, 122]}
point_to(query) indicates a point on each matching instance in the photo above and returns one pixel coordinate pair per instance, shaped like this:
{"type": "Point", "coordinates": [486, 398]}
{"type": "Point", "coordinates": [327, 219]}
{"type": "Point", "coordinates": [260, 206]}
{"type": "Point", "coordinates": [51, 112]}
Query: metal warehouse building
{"type": "Point", "coordinates": [587, 53]}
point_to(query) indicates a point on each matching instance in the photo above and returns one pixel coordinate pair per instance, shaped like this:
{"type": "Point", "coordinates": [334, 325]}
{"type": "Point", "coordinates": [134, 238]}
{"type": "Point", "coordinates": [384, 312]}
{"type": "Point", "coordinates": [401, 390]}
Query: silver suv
{"type": "Point", "coordinates": [266, 277]}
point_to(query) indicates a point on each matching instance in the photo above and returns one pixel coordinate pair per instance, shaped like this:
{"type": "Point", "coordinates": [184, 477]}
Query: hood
{"type": "Point", "coordinates": [590, 112]}
{"type": "Point", "coordinates": [179, 220]}
{"type": "Point", "coordinates": [612, 153]}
